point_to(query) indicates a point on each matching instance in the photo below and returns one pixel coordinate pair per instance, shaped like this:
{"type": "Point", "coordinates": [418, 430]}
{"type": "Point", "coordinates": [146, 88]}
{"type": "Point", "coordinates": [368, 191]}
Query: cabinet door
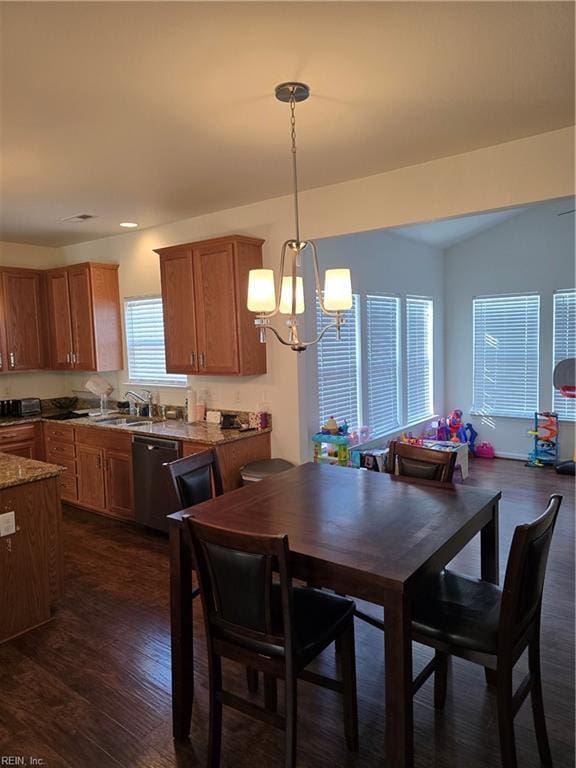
{"type": "Point", "coordinates": [90, 467]}
{"type": "Point", "coordinates": [119, 496]}
{"type": "Point", "coordinates": [27, 450]}
{"type": "Point", "coordinates": [178, 307]}
{"type": "Point", "coordinates": [81, 313]}
{"type": "Point", "coordinates": [216, 317]}
{"type": "Point", "coordinates": [3, 357]}
{"type": "Point", "coordinates": [22, 301]}
{"type": "Point", "coordinates": [61, 347]}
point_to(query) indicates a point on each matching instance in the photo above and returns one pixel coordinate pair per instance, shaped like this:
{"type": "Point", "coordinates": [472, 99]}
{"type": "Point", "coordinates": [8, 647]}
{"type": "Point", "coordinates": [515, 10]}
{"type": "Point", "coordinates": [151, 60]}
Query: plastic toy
{"type": "Point", "coordinates": [335, 452]}
{"type": "Point", "coordinates": [545, 434]}
{"type": "Point", "coordinates": [471, 435]}
{"type": "Point", "coordinates": [443, 433]}
{"type": "Point", "coordinates": [565, 383]}
{"type": "Point", "coordinates": [485, 451]}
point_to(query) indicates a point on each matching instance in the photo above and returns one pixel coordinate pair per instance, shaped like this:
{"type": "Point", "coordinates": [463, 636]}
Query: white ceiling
{"type": "Point", "coordinates": [447, 232]}
{"type": "Point", "coordinates": [154, 112]}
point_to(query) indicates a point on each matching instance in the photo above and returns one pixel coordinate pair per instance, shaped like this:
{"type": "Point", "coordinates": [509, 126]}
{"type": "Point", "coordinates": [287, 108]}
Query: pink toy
{"type": "Point", "coordinates": [455, 425]}
{"type": "Point", "coordinates": [443, 433]}
{"type": "Point", "coordinates": [485, 451]}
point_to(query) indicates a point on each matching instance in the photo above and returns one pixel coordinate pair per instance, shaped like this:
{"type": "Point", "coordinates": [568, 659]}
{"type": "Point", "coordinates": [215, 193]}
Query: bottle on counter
{"type": "Point", "coordinates": [201, 406]}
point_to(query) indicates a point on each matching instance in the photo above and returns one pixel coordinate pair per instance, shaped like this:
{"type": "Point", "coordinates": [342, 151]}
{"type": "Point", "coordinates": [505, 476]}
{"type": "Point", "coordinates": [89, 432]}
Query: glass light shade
{"type": "Point", "coordinates": [337, 290]}
{"type": "Point", "coordinates": [261, 293]}
{"type": "Point", "coordinates": [286, 296]}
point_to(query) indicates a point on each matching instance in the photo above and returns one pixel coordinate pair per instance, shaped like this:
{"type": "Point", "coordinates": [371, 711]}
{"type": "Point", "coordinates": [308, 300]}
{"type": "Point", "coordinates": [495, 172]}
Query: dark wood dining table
{"type": "Point", "coordinates": [363, 534]}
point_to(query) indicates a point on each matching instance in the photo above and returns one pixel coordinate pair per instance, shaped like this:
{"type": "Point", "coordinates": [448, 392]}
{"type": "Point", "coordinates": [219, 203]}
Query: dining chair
{"type": "Point", "coordinates": [476, 620]}
{"type": "Point", "coordinates": [255, 616]}
{"type": "Point", "coordinates": [413, 461]}
{"type": "Point", "coordinates": [196, 478]}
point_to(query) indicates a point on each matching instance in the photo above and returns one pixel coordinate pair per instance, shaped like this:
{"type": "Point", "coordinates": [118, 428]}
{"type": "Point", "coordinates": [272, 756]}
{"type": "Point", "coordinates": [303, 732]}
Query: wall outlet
{"type": "Point", "coordinates": [7, 524]}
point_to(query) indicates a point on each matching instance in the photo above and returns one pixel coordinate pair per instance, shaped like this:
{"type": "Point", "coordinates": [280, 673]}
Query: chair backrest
{"type": "Point", "coordinates": [525, 572]}
{"type": "Point", "coordinates": [242, 602]}
{"type": "Point", "coordinates": [196, 478]}
{"type": "Point", "coordinates": [422, 463]}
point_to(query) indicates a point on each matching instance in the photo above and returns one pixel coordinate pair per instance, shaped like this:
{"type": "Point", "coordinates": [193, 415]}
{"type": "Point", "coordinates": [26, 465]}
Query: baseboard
{"type": "Point", "coordinates": [515, 456]}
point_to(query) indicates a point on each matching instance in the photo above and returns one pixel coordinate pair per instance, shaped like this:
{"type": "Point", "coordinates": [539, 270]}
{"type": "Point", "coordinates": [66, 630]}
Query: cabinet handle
{"type": "Point", "coordinates": [12, 359]}
{"type": "Point", "coordinates": [202, 360]}
{"type": "Point", "coordinates": [99, 462]}
{"type": "Point", "coordinates": [68, 357]}
{"type": "Point", "coordinates": [1, 361]}
{"type": "Point", "coordinates": [73, 358]}
{"type": "Point", "coordinates": [192, 358]}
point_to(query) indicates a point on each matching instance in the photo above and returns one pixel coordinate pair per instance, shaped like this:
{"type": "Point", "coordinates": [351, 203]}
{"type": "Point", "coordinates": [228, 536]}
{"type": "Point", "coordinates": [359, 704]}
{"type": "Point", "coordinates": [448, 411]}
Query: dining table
{"type": "Point", "coordinates": [367, 535]}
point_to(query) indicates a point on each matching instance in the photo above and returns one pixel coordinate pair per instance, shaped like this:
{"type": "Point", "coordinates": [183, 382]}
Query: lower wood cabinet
{"type": "Point", "coordinates": [22, 440]}
{"type": "Point", "coordinates": [118, 483]}
{"type": "Point", "coordinates": [90, 467]}
{"type": "Point", "coordinates": [233, 455]}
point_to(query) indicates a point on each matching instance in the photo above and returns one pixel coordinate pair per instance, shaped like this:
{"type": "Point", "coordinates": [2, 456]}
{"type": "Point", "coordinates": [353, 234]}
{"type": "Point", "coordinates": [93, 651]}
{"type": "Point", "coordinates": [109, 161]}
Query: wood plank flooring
{"type": "Point", "coordinates": [92, 688]}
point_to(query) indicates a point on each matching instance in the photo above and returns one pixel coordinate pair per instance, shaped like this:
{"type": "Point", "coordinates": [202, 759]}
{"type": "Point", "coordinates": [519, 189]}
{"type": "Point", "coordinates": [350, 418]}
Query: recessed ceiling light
{"type": "Point", "coordinates": [128, 224]}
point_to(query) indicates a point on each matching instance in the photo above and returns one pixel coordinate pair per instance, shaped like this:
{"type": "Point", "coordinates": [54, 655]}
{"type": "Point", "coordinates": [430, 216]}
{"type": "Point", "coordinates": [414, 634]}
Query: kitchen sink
{"type": "Point", "coordinates": [125, 421]}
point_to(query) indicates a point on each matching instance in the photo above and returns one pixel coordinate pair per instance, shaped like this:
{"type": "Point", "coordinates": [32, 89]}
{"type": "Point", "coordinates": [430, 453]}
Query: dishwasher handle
{"type": "Point", "coordinates": [141, 442]}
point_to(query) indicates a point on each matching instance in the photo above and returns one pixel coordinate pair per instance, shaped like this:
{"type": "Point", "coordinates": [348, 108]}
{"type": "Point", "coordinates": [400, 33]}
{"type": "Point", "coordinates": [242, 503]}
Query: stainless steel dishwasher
{"type": "Point", "coordinates": [154, 495]}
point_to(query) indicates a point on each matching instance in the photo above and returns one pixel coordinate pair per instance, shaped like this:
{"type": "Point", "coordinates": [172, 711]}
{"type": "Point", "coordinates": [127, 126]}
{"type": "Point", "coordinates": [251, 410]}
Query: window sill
{"type": "Point", "coordinates": [154, 384]}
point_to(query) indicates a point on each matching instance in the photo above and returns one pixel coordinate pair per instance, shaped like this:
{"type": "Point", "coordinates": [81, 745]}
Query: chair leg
{"type": "Point", "coordinates": [291, 693]}
{"type": "Point", "coordinates": [504, 694]}
{"type": "Point", "coordinates": [440, 679]}
{"type": "Point", "coordinates": [270, 693]}
{"type": "Point", "coordinates": [252, 680]}
{"type": "Point", "coordinates": [348, 664]}
{"type": "Point", "coordinates": [215, 713]}
{"type": "Point", "coordinates": [537, 701]}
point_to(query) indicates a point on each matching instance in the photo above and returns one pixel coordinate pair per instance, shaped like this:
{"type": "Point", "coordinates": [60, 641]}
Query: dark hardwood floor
{"type": "Point", "coordinates": [92, 688]}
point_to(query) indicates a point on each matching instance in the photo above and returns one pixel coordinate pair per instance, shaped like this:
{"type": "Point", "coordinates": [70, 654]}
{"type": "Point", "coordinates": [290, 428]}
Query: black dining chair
{"type": "Point", "coordinates": [196, 478]}
{"type": "Point", "coordinates": [476, 620]}
{"type": "Point", "coordinates": [255, 616]}
{"type": "Point", "coordinates": [413, 461]}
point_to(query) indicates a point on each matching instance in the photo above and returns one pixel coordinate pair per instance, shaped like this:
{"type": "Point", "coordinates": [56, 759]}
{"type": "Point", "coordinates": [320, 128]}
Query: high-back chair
{"type": "Point", "coordinates": [196, 478]}
{"type": "Point", "coordinates": [413, 461]}
{"type": "Point", "coordinates": [254, 616]}
{"type": "Point", "coordinates": [478, 621]}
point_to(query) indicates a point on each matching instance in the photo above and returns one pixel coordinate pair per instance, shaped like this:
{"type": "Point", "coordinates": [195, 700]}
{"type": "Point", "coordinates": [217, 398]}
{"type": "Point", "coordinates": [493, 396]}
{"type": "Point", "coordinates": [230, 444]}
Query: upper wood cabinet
{"type": "Point", "coordinates": [84, 317]}
{"type": "Point", "coordinates": [207, 328]}
{"type": "Point", "coordinates": [22, 340]}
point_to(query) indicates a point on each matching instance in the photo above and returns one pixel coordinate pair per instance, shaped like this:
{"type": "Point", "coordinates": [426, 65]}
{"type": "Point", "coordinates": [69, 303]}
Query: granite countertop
{"type": "Point", "coordinates": [16, 470]}
{"type": "Point", "coordinates": [12, 421]}
{"type": "Point", "coordinates": [198, 432]}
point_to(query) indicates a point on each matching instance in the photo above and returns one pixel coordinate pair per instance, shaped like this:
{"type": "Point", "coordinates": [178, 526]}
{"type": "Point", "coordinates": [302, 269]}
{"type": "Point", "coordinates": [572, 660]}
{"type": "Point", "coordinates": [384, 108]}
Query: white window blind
{"type": "Point", "coordinates": [419, 356]}
{"type": "Point", "coordinates": [145, 342]}
{"type": "Point", "coordinates": [339, 370]}
{"type": "Point", "coordinates": [506, 355]}
{"type": "Point", "coordinates": [382, 321]}
{"type": "Point", "coordinates": [564, 346]}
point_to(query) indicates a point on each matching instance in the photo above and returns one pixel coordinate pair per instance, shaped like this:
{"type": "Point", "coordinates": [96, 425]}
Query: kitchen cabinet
{"type": "Point", "coordinates": [84, 317]}
{"type": "Point", "coordinates": [22, 440]}
{"type": "Point", "coordinates": [22, 320]}
{"type": "Point", "coordinates": [90, 464]}
{"type": "Point", "coordinates": [104, 467]}
{"type": "Point", "coordinates": [60, 448]}
{"type": "Point", "coordinates": [207, 328]}
{"type": "Point", "coordinates": [233, 455]}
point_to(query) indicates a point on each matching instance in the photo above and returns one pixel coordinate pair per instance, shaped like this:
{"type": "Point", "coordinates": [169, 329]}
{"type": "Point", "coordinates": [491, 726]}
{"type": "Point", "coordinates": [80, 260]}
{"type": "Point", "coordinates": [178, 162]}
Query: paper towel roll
{"type": "Point", "coordinates": [190, 405]}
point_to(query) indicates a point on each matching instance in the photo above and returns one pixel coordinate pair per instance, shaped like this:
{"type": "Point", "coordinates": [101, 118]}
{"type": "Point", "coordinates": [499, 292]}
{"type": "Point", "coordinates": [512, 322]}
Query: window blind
{"type": "Point", "coordinates": [145, 342]}
{"type": "Point", "coordinates": [564, 346]}
{"type": "Point", "coordinates": [382, 320]}
{"type": "Point", "coordinates": [506, 355]}
{"type": "Point", "coordinates": [339, 370]}
{"type": "Point", "coordinates": [419, 355]}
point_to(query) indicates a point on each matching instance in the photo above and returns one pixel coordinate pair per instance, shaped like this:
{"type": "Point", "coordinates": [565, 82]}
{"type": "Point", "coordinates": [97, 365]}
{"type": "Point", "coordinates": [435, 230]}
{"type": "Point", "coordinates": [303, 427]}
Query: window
{"type": "Point", "coordinates": [382, 321]}
{"type": "Point", "coordinates": [564, 346]}
{"type": "Point", "coordinates": [506, 355]}
{"type": "Point", "coordinates": [145, 342]}
{"type": "Point", "coordinates": [339, 370]}
{"type": "Point", "coordinates": [419, 352]}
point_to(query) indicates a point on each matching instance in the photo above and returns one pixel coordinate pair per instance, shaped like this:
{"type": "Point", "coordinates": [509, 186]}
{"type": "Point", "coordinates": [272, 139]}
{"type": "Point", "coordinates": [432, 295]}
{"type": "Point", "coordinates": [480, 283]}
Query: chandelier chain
{"type": "Point", "coordinates": [294, 165]}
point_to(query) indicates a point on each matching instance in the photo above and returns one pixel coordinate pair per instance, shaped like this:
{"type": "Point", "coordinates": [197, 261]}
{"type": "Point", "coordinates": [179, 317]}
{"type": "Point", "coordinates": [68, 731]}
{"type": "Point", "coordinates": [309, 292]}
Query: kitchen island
{"type": "Point", "coordinates": [31, 568]}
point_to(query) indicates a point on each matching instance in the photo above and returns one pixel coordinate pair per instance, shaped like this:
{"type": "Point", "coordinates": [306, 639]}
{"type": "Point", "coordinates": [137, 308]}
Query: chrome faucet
{"type": "Point", "coordinates": [147, 400]}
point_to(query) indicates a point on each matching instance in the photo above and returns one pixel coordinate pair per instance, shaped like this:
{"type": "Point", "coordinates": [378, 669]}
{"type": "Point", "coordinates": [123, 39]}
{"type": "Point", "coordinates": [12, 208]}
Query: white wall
{"type": "Point", "coordinates": [519, 172]}
{"type": "Point", "coordinates": [381, 262]}
{"type": "Point", "coordinates": [530, 252]}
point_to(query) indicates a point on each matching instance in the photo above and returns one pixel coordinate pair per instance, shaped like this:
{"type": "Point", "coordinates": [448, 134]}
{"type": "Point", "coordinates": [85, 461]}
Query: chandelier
{"type": "Point", "coordinates": [287, 298]}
